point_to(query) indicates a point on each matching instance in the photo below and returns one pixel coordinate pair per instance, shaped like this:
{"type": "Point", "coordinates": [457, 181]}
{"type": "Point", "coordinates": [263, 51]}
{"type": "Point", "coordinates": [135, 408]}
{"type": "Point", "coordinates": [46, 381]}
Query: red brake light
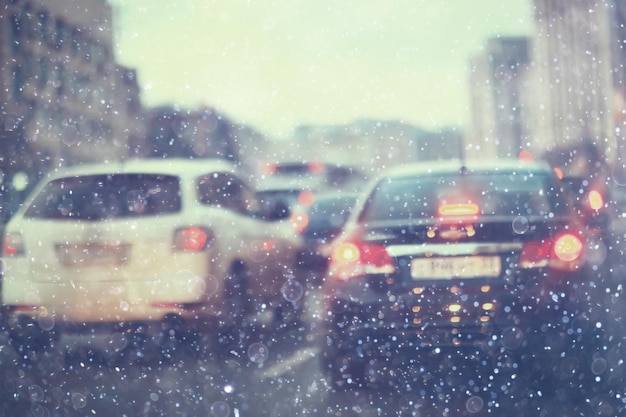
{"type": "Point", "coordinates": [316, 167]}
{"type": "Point", "coordinates": [568, 247]}
{"type": "Point", "coordinates": [352, 259]}
{"type": "Point", "coordinates": [526, 156]}
{"type": "Point", "coordinates": [13, 244]}
{"type": "Point", "coordinates": [191, 239]}
{"type": "Point", "coordinates": [563, 252]}
{"type": "Point", "coordinates": [269, 169]}
{"type": "Point", "coordinates": [299, 220]}
{"type": "Point", "coordinates": [458, 209]}
{"type": "Point", "coordinates": [596, 200]}
{"type": "Point", "coordinates": [306, 198]}
{"type": "Point", "coordinates": [29, 308]}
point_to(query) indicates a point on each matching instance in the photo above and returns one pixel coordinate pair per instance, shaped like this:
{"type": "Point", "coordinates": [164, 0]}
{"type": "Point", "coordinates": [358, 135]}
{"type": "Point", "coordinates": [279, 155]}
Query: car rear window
{"type": "Point", "coordinates": [494, 194]}
{"type": "Point", "coordinates": [96, 197]}
{"type": "Point", "coordinates": [339, 207]}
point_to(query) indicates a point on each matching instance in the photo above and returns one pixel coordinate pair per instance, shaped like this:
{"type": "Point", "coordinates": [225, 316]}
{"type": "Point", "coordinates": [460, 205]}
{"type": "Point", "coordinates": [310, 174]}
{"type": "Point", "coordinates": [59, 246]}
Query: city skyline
{"type": "Point", "coordinates": [274, 66]}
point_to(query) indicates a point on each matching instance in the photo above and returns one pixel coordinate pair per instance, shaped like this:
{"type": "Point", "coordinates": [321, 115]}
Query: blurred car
{"type": "Point", "coordinates": [593, 200]}
{"type": "Point", "coordinates": [446, 255]}
{"type": "Point", "coordinates": [289, 194]}
{"type": "Point", "coordinates": [320, 223]}
{"type": "Point", "coordinates": [150, 245]}
{"type": "Point", "coordinates": [314, 176]}
{"type": "Point", "coordinates": [298, 182]}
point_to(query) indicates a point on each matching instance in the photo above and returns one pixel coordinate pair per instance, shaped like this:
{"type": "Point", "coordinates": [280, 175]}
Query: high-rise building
{"type": "Point", "coordinates": [63, 98]}
{"type": "Point", "coordinates": [572, 76]}
{"type": "Point", "coordinates": [498, 79]}
{"type": "Point", "coordinates": [618, 35]}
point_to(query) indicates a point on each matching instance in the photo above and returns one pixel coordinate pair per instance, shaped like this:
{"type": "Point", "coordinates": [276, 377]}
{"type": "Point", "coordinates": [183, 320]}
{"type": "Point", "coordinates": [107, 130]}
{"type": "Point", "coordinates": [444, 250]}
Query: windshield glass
{"type": "Point", "coordinates": [421, 197]}
{"type": "Point", "coordinates": [228, 208]}
{"type": "Point", "coordinates": [97, 197]}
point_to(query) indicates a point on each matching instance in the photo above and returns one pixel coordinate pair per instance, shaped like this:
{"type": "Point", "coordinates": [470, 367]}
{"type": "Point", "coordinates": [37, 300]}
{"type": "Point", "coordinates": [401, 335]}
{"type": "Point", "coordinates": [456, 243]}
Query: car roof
{"type": "Point", "coordinates": [304, 162]}
{"type": "Point", "coordinates": [456, 166]}
{"type": "Point", "coordinates": [169, 166]}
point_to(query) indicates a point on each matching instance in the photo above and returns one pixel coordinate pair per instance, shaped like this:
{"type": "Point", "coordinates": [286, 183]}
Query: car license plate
{"type": "Point", "coordinates": [92, 254]}
{"type": "Point", "coordinates": [456, 267]}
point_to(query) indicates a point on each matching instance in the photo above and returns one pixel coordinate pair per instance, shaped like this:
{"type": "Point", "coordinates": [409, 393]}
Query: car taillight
{"type": "Point", "coordinates": [352, 259]}
{"type": "Point", "coordinates": [568, 247]}
{"type": "Point", "coordinates": [562, 252]}
{"type": "Point", "coordinates": [458, 209]}
{"type": "Point", "coordinates": [12, 244]}
{"type": "Point", "coordinates": [316, 167]}
{"type": "Point", "coordinates": [192, 239]}
{"type": "Point", "coordinates": [595, 200]}
{"type": "Point", "coordinates": [299, 221]}
{"type": "Point", "coordinates": [269, 169]}
{"type": "Point", "coordinates": [306, 198]}
{"type": "Point", "coordinates": [456, 212]}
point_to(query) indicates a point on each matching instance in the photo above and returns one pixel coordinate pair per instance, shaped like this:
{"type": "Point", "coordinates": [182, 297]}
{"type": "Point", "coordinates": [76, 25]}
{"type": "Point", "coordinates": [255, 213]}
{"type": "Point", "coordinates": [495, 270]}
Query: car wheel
{"type": "Point", "coordinates": [288, 306]}
{"type": "Point", "coordinates": [27, 338]}
{"type": "Point", "coordinates": [343, 373]}
{"type": "Point", "coordinates": [237, 303]}
{"type": "Point", "coordinates": [342, 369]}
{"type": "Point", "coordinates": [141, 350]}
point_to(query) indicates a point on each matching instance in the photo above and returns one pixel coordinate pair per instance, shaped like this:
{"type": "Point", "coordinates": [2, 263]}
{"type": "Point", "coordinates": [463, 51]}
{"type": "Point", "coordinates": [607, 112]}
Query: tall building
{"type": "Point", "coordinates": [618, 35]}
{"type": "Point", "coordinates": [63, 98]}
{"type": "Point", "coordinates": [201, 133]}
{"type": "Point", "coordinates": [572, 76]}
{"type": "Point", "coordinates": [374, 144]}
{"type": "Point", "coordinates": [498, 78]}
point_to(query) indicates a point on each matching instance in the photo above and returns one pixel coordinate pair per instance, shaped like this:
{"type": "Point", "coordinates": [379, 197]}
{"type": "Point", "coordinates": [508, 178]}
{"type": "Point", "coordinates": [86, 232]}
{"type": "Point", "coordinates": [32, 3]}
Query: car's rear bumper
{"type": "Point", "coordinates": [378, 323]}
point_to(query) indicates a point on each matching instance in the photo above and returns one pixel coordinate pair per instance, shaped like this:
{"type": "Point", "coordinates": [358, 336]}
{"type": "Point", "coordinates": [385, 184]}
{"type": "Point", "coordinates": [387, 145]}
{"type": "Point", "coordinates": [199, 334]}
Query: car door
{"type": "Point", "coordinates": [269, 244]}
{"type": "Point", "coordinates": [244, 233]}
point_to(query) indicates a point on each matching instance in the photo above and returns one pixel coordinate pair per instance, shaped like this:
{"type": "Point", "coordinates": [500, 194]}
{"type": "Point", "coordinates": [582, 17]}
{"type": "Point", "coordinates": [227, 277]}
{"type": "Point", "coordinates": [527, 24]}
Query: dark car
{"type": "Point", "coordinates": [593, 200]}
{"type": "Point", "coordinates": [321, 222]}
{"type": "Point", "coordinates": [298, 183]}
{"type": "Point", "coordinates": [314, 175]}
{"type": "Point", "coordinates": [452, 255]}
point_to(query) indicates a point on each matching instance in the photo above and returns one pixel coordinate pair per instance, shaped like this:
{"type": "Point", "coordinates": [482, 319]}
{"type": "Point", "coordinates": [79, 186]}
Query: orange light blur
{"type": "Point", "coordinates": [526, 156]}
{"type": "Point", "coordinates": [9, 249]}
{"type": "Point", "coordinates": [306, 198]}
{"type": "Point", "coordinates": [568, 247]}
{"type": "Point", "coordinates": [596, 201]}
{"type": "Point", "coordinates": [191, 239]}
{"type": "Point", "coordinates": [12, 245]}
{"type": "Point", "coordinates": [559, 173]}
{"type": "Point", "coordinates": [346, 252]}
{"type": "Point", "coordinates": [166, 305]}
{"type": "Point", "coordinates": [24, 307]}
{"type": "Point", "coordinates": [269, 169]}
{"type": "Point", "coordinates": [459, 209]}
{"type": "Point", "coordinates": [316, 167]}
{"type": "Point", "coordinates": [299, 221]}
{"type": "Point", "coordinates": [268, 245]}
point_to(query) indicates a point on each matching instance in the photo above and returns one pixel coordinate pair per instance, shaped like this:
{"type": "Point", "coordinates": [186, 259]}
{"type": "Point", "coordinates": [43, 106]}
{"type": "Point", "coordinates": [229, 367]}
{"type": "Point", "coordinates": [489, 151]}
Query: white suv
{"type": "Point", "coordinates": [165, 242]}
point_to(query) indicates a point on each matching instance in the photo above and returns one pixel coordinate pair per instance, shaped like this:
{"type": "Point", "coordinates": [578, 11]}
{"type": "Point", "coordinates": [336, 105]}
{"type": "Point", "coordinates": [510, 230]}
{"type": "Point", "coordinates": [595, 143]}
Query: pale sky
{"type": "Point", "coordinates": [275, 64]}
